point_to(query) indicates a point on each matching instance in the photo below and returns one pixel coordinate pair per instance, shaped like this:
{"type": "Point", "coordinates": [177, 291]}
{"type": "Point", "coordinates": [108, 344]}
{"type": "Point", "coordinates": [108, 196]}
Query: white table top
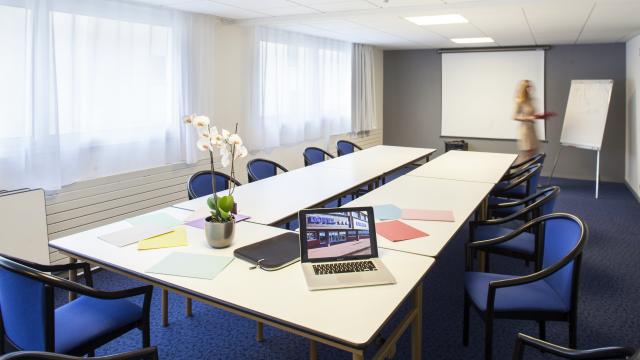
{"type": "Point", "coordinates": [276, 198]}
{"type": "Point", "coordinates": [413, 192]}
{"type": "Point", "coordinates": [351, 316]}
{"type": "Point", "coordinates": [467, 166]}
{"type": "Point", "coordinates": [379, 160]}
{"type": "Point", "coordinates": [279, 197]}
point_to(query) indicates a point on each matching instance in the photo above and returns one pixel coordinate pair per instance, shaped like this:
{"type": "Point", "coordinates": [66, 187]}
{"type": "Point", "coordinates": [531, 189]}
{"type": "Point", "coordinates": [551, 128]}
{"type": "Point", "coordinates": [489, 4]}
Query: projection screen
{"type": "Point", "coordinates": [478, 90]}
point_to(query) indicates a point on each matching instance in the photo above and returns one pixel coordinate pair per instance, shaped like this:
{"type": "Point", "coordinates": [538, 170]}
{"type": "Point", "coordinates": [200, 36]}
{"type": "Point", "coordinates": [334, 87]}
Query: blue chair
{"type": "Point", "coordinates": [313, 155]}
{"type": "Point", "coordinates": [518, 185]}
{"type": "Point", "coordinates": [199, 184]}
{"type": "Point", "coordinates": [258, 169]}
{"type": "Point", "coordinates": [30, 322]}
{"type": "Point", "coordinates": [527, 245]}
{"type": "Point", "coordinates": [614, 352]}
{"type": "Point", "coordinates": [150, 353]}
{"type": "Point", "coordinates": [346, 147]}
{"type": "Point", "coordinates": [536, 159]}
{"type": "Point", "coordinates": [550, 294]}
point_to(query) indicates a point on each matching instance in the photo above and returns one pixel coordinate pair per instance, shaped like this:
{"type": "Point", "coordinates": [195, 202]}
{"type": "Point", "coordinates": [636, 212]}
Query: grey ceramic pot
{"type": "Point", "coordinates": [219, 235]}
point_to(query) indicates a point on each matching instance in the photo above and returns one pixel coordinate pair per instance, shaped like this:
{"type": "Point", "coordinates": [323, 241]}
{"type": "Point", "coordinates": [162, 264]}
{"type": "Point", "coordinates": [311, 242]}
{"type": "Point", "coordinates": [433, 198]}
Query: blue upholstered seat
{"type": "Point", "coordinates": [536, 296]}
{"type": "Point", "coordinates": [30, 322]}
{"type": "Point", "coordinates": [346, 147]}
{"type": "Point", "coordinates": [314, 155]}
{"type": "Point", "coordinates": [524, 243]}
{"type": "Point", "coordinates": [86, 319]}
{"type": "Point", "coordinates": [199, 184]}
{"type": "Point", "coordinates": [258, 169]}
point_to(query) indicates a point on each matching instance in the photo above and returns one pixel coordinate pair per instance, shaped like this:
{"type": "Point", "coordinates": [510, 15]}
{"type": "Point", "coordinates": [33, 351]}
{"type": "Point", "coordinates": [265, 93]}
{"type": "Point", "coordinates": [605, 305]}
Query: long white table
{"type": "Point", "coordinates": [467, 166]}
{"type": "Point", "coordinates": [412, 192]}
{"type": "Point", "coordinates": [278, 298]}
{"type": "Point", "coordinates": [277, 199]}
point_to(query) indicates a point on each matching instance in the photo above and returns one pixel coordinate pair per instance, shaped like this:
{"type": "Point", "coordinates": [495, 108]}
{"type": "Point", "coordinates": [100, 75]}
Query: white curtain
{"type": "Point", "coordinates": [96, 88]}
{"type": "Point", "coordinates": [301, 88]}
{"type": "Point", "coordinates": [363, 116]}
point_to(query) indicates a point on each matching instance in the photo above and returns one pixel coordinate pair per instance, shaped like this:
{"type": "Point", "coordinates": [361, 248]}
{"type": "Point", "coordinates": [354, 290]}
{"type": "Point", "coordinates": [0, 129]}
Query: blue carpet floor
{"type": "Point", "coordinates": [608, 308]}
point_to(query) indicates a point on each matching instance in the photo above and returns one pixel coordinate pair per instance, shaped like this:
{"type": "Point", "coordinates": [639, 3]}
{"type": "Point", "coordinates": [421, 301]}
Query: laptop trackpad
{"type": "Point", "coordinates": [350, 278]}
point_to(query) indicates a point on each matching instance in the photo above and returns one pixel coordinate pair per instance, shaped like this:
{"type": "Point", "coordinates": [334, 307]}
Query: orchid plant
{"type": "Point", "coordinates": [230, 147]}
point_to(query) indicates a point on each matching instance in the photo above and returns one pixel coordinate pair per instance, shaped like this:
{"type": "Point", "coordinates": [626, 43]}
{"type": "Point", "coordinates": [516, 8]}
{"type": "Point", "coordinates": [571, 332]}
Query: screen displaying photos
{"type": "Point", "coordinates": [337, 234]}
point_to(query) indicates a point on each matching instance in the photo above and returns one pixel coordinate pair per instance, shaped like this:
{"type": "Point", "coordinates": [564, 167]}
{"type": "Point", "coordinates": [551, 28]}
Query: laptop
{"type": "Point", "coordinates": [338, 248]}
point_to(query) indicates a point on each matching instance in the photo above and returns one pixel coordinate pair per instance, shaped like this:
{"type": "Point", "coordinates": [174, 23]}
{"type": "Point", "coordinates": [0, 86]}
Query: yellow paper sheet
{"type": "Point", "coordinates": [178, 237]}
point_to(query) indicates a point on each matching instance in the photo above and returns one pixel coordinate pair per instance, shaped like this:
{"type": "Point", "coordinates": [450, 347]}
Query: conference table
{"type": "Point", "coordinates": [473, 166]}
{"type": "Point", "coordinates": [279, 298]}
{"type": "Point", "coordinates": [412, 192]}
{"type": "Point", "coordinates": [277, 199]}
{"type": "Point", "coordinates": [284, 301]}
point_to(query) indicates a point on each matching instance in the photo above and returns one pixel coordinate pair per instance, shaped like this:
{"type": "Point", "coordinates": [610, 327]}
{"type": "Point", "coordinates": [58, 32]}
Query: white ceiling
{"type": "Point", "coordinates": [382, 23]}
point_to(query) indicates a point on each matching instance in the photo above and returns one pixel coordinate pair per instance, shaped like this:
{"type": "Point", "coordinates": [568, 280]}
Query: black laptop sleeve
{"type": "Point", "coordinates": [272, 254]}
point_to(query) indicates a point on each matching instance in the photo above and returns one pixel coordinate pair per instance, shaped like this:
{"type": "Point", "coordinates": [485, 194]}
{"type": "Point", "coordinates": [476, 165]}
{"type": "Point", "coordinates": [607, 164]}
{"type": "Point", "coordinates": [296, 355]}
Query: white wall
{"type": "Point", "coordinates": [232, 93]}
{"type": "Point", "coordinates": [632, 168]}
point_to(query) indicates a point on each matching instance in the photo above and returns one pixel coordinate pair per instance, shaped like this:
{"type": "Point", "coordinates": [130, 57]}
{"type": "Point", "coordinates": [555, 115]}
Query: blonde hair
{"type": "Point", "coordinates": [522, 94]}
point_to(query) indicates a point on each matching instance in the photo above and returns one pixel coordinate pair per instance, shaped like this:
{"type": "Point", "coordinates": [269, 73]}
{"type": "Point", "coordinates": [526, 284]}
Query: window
{"type": "Point", "coordinates": [302, 88]}
{"type": "Point", "coordinates": [92, 89]}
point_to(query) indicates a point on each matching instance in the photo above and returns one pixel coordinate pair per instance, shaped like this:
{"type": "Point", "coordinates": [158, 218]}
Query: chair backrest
{"type": "Point", "coordinates": [199, 184]}
{"type": "Point", "coordinates": [528, 177]}
{"type": "Point", "coordinates": [258, 169]}
{"type": "Point", "coordinates": [313, 155]}
{"type": "Point", "coordinates": [543, 202]}
{"type": "Point", "coordinates": [27, 307]}
{"type": "Point", "coordinates": [535, 159]}
{"type": "Point", "coordinates": [564, 238]}
{"type": "Point", "coordinates": [346, 147]}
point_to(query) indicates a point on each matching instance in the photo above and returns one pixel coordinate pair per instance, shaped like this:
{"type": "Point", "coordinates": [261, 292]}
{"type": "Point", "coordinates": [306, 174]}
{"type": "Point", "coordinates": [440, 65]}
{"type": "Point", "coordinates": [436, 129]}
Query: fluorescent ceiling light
{"type": "Point", "coordinates": [438, 19]}
{"type": "Point", "coordinates": [476, 40]}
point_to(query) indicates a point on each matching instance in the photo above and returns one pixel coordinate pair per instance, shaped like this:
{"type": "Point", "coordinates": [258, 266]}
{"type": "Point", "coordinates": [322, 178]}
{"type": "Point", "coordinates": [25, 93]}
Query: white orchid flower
{"type": "Point", "coordinates": [235, 139]}
{"type": "Point", "coordinates": [203, 144]}
{"type": "Point", "coordinates": [188, 119]}
{"type": "Point", "coordinates": [225, 134]}
{"type": "Point", "coordinates": [241, 151]}
{"type": "Point", "coordinates": [201, 121]}
{"type": "Point", "coordinates": [225, 160]}
{"type": "Point", "coordinates": [204, 133]}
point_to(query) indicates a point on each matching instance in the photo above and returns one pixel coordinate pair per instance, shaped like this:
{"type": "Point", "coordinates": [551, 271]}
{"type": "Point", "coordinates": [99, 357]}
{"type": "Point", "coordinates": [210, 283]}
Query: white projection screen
{"type": "Point", "coordinates": [478, 91]}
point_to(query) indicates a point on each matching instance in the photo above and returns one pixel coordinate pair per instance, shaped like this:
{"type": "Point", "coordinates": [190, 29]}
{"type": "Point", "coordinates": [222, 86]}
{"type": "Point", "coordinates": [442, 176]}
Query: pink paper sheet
{"type": "Point", "coordinates": [397, 231]}
{"type": "Point", "coordinates": [429, 215]}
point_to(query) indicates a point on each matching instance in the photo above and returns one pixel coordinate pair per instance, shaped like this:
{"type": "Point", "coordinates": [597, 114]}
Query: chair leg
{"type": "Point", "coordinates": [573, 331]}
{"type": "Point", "coordinates": [465, 321]}
{"type": "Point", "coordinates": [146, 335]}
{"type": "Point", "coordinates": [340, 201]}
{"type": "Point", "coordinates": [488, 338]}
{"type": "Point", "coordinates": [189, 308]}
{"type": "Point", "coordinates": [543, 330]}
{"type": "Point", "coordinates": [91, 353]}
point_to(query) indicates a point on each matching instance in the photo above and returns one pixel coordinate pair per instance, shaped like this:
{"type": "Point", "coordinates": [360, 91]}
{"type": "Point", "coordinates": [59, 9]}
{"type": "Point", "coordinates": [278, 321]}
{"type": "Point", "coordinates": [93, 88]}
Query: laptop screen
{"type": "Point", "coordinates": [336, 234]}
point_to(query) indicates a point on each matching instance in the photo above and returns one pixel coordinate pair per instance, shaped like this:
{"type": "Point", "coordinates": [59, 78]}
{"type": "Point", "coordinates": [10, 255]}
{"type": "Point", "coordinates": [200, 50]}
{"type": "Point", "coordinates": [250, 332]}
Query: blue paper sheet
{"type": "Point", "coordinates": [387, 212]}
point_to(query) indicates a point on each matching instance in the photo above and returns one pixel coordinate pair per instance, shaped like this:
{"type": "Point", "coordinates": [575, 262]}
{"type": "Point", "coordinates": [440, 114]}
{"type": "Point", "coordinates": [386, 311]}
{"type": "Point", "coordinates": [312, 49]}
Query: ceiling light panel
{"type": "Point", "coordinates": [437, 19]}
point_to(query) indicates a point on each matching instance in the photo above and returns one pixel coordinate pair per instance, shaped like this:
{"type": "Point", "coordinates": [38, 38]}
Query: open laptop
{"type": "Point", "coordinates": [338, 248]}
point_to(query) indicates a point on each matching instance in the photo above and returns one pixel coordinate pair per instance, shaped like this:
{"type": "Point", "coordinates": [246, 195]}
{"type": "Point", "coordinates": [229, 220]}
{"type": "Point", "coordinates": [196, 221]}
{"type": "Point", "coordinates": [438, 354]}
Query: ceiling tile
{"type": "Point", "coordinates": [254, 4]}
{"type": "Point", "coordinates": [331, 6]}
{"type": "Point", "coordinates": [401, 3]}
{"type": "Point", "coordinates": [289, 10]}
{"type": "Point", "coordinates": [612, 21]}
{"type": "Point", "coordinates": [505, 24]}
{"type": "Point", "coordinates": [557, 22]}
{"type": "Point", "coordinates": [208, 7]}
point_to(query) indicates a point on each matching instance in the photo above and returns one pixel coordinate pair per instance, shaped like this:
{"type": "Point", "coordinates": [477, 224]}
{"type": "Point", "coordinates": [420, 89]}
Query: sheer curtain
{"type": "Point", "coordinates": [301, 88]}
{"type": "Point", "coordinates": [95, 88]}
{"type": "Point", "coordinates": [363, 116]}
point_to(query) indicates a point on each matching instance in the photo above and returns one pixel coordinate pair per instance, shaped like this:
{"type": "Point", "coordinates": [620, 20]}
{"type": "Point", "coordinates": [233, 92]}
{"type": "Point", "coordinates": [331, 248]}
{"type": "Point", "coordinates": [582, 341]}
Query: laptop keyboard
{"type": "Point", "coordinates": [344, 267]}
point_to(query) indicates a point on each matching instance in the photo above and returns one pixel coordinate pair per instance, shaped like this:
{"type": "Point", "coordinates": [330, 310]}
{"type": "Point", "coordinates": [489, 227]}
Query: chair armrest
{"type": "Point", "coordinates": [85, 267]}
{"type": "Point", "coordinates": [602, 353]}
{"type": "Point", "coordinates": [490, 242]}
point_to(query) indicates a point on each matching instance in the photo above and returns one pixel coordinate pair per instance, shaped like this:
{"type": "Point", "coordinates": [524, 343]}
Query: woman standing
{"type": "Point", "coordinates": [528, 144]}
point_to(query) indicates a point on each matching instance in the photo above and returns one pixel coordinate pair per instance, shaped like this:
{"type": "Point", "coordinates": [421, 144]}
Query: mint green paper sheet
{"type": "Point", "coordinates": [159, 219]}
{"type": "Point", "coordinates": [191, 265]}
{"type": "Point", "coordinates": [387, 212]}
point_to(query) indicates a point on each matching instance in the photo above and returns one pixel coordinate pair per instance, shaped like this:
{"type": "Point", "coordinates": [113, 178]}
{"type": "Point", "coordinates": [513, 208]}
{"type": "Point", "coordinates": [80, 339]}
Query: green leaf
{"type": "Point", "coordinates": [224, 215]}
{"type": "Point", "coordinates": [225, 203]}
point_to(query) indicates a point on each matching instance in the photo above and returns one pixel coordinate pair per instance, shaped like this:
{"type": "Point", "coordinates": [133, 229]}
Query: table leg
{"type": "Point", "coordinates": [189, 308]}
{"type": "Point", "coordinates": [73, 276]}
{"type": "Point", "coordinates": [259, 331]}
{"type": "Point", "coordinates": [165, 308]}
{"type": "Point", "coordinates": [416, 325]}
{"type": "Point", "coordinates": [358, 355]}
{"type": "Point", "coordinates": [313, 350]}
